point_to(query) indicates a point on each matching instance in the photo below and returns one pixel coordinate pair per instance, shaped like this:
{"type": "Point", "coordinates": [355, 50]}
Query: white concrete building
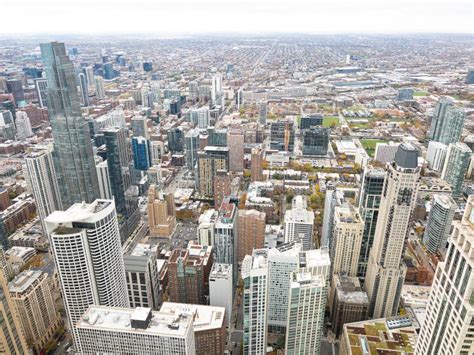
{"type": "Point", "coordinates": [299, 223]}
{"type": "Point", "coordinates": [23, 126]}
{"type": "Point", "coordinates": [99, 87]}
{"type": "Point", "coordinates": [449, 324]}
{"type": "Point", "coordinates": [85, 242]}
{"type": "Point", "coordinates": [436, 155]}
{"type": "Point", "coordinates": [306, 306]}
{"type": "Point", "coordinates": [41, 179]}
{"type": "Point", "coordinates": [347, 240]}
{"type": "Point", "coordinates": [134, 331]}
{"type": "Point", "coordinates": [386, 271]}
{"type": "Point", "coordinates": [255, 302]}
{"type": "Point", "coordinates": [221, 290]}
{"type": "Point", "coordinates": [205, 230]}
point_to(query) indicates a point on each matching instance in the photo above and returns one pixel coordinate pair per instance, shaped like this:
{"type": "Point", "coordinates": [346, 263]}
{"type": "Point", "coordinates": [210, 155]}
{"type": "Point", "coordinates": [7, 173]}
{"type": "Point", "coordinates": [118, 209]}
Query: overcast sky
{"type": "Point", "coordinates": [244, 16]}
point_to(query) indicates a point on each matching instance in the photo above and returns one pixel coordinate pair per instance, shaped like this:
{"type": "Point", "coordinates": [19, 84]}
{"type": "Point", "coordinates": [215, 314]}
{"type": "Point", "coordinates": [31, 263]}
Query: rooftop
{"type": "Point", "coordinates": [119, 319]}
{"type": "Point", "coordinates": [204, 317]}
{"type": "Point", "coordinates": [24, 280]}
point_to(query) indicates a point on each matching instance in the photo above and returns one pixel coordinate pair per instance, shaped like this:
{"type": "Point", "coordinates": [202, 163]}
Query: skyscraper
{"type": "Point", "coordinates": [299, 223]}
{"type": "Point", "coordinates": [84, 89]}
{"type": "Point", "coordinates": [141, 153]}
{"type": "Point", "coordinates": [74, 159]}
{"type": "Point", "coordinates": [99, 87]}
{"type": "Point", "coordinates": [456, 165]}
{"type": "Point", "coordinates": [315, 141]}
{"type": "Point", "coordinates": [439, 222]}
{"type": "Point", "coordinates": [221, 290]}
{"type": "Point", "coordinates": [12, 339]}
{"type": "Point", "coordinates": [347, 240]}
{"type": "Point", "coordinates": [209, 161]}
{"type": "Point", "coordinates": [282, 135]}
{"type": "Point", "coordinates": [262, 113]}
{"type": "Point", "coordinates": [41, 178]}
{"type": "Point", "coordinates": [175, 140]}
{"type": "Point", "coordinates": [191, 143]}
{"type": "Point", "coordinates": [369, 205]}
{"type": "Point", "coordinates": [105, 191]}
{"type": "Point", "coordinates": [436, 155]}
{"type": "Point", "coordinates": [41, 86]}
{"type": "Point", "coordinates": [161, 212]}
{"type": "Point", "coordinates": [32, 295]}
{"type": "Point", "coordinates": [255, 302]}
{"type": "Point", "coordinates": [447, 122]}
{"type": "Point", "coordinates": [386, 271]}
{"type": "Point", "coordinates": [448, 326]}
{"type": "Point", "coordinates": [225, 235]}
{"type": "Point", "coordinates": [118, 161]}
{"type": "Point", "coordinates": [256, 165]}
{"type": "Point", "coordinates": [23, 126]}
{"type": "Point", "coordinates": [306, 306]}
{"type": "Point", "coordinates": [251, 235]}
{"type": "Point", "coordinates": [235, 142]}
{"type": "Point", "coordinates": [85, 242]}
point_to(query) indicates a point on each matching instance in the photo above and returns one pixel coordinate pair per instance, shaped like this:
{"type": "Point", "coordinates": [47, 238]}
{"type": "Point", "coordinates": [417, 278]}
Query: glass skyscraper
{"type": "Point", "coordinates": [447, 122]}
{"type": "Point", "coordinates": [74, 158]}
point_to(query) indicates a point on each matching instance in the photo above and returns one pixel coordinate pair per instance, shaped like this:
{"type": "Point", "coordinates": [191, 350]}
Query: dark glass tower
{"type": "Point", "coordinates": [74, 158]}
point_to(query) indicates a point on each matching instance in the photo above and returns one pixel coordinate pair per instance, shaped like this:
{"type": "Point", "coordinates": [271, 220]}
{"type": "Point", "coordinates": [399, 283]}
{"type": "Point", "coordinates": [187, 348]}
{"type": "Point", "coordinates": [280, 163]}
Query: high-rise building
{"type": "Point", "coordinates": [222, 182]}
{"type": "Point", "coordinates": [142, 277]}
{"type": "Point", "coordinates": [139, 126]}
{"type": "Point", "coordinates": [394, 335]}
{"type": "Point", "coordinates": [282, 135]}
{"type": "Point", "coordinates": [85, 243]}
{"type": "Point", "coordinates": [315, 141]}
{"type": "Point", "coordinates": [84, 89]}
{"type": "Point", "coordinates": [299, 223]}
{"type": "Point", "coordinates": [206, 227]}
{"type": "Point", "coordinates": [306, 306]}
{"type": "Point", "coordinates": [175, 140]}
{"type": "Point", "coordinates": [221, 290]}
{"type": "Point", "coordinates": [386, 271]}
{"type": "Point", "coordinates": [334, 197]}
{"type": "Point", "coordinates": [347, 240]}
{"type": "Point", "coordinates": [161, 212]}
{"type": "Point", "coordinates": [23, 126]}
{"type": "Point", "coordinates": [216, 88]}
{"type": "Point", "coordinates": [32, 295]}
{"type": "Point", "coordinates": [256, 165]}
{"type": "Point", "coordinates": [405, 94]}
{"type": "Point", "coordinates": [118, 330]}
{"type": "Point", "coordinates": [41, 179]}
{"type": "Point", "coordinates": [103, 177]}
{"type": "Point", "coordinates": [447, 122]}
{"type": "Point", "coordinates": [307, 122]}
{"type": "Point", "coordinates": [188, 274]}
{"type": "Point", "coordinates": [41, 86]}
{"type": "Point", "coordinates": [470, 76]}
{"type": "Point", "coordinates": [209, 325]}
{"type": "Point", "coordinates": [439, 222]}
{"type": "Point", "coordinates": [436, 155]}
{"type": "Point", "coordinates": [99, 87]}
{"type": "Point", "coordinates": [191, 142]}
{"type": "Point", "coordinates": [12, 339]}
{"type": "Point", "coordinates": [255, 302]}
{"type": "Point", "coordinates": [235, 142]}
{"type": "Point", "coordinates": [251, 232]}
{"type": "Point", "coordinates": [209, 161]}
{"type": "Point", "coordinates": [118, 161]}
{"type": "Point", "coordinates": [74, 158]}
{"type": "Point", "coordinates": [262, 113]}
{"type": "Point", "coordinates": [456, 166]}
{"type": "Point", "coordinates": [348, 302]}
{"type": "Point", "coordinates": [448, 326]}
{"type": "Point", "coordinates": [225, 234]}
{"type": "Point", "coordinates": [141, 153]}
{"type": "Point", "coordinates": [369, 204]}
{"type": "Point", "coordinates": [15, 87]}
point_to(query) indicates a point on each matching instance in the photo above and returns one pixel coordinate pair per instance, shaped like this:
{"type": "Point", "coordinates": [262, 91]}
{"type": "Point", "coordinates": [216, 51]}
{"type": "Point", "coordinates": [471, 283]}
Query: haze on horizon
{"type": "Point", "coordinates": [236, 16]}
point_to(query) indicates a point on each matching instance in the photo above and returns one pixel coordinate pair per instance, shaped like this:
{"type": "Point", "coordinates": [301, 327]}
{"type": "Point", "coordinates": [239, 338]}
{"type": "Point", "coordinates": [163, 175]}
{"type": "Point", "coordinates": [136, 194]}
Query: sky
{"type": "Point", "coordinates": [236, 16]}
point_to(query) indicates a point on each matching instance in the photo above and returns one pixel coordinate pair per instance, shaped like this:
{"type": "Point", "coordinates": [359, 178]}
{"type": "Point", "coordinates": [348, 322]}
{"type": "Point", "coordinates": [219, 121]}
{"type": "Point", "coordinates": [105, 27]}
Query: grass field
{"type": "Point", "coordinates": [369, 145]}
{"type": "Point", "coordinates": [420, 93]}
{"type": "Point", "coordinates": [329, 121]}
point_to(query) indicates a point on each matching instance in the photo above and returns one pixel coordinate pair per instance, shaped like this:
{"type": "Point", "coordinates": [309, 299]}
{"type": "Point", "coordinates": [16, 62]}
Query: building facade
{"type": "Point", "coordinates": [251, 232]}
{"type": "Point", "coordinates": [456, 166]}
{"type": "Point", "coordinates": [439, 222]}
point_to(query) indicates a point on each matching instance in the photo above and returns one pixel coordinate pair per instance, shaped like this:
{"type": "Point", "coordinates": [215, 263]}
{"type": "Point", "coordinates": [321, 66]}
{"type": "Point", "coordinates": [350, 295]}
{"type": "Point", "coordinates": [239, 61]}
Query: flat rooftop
{"type": "Point", "coordinates": [119, 319]}
{"type": "Point", "coordinates": [204, 317]}
{"type": "Point", "coordinates": [24, 280]}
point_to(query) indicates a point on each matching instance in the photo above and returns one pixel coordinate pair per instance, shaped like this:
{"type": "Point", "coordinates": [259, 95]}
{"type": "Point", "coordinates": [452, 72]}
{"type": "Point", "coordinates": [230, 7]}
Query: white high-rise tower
{"type": "Point", "coordinates": [85, 242]}
{"type": "Point", "coordinates": [41, 179]}
{"type": "Point", "coordinates": [449, 324]}
{"type": "Point", "coordinates": [386, 272]}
